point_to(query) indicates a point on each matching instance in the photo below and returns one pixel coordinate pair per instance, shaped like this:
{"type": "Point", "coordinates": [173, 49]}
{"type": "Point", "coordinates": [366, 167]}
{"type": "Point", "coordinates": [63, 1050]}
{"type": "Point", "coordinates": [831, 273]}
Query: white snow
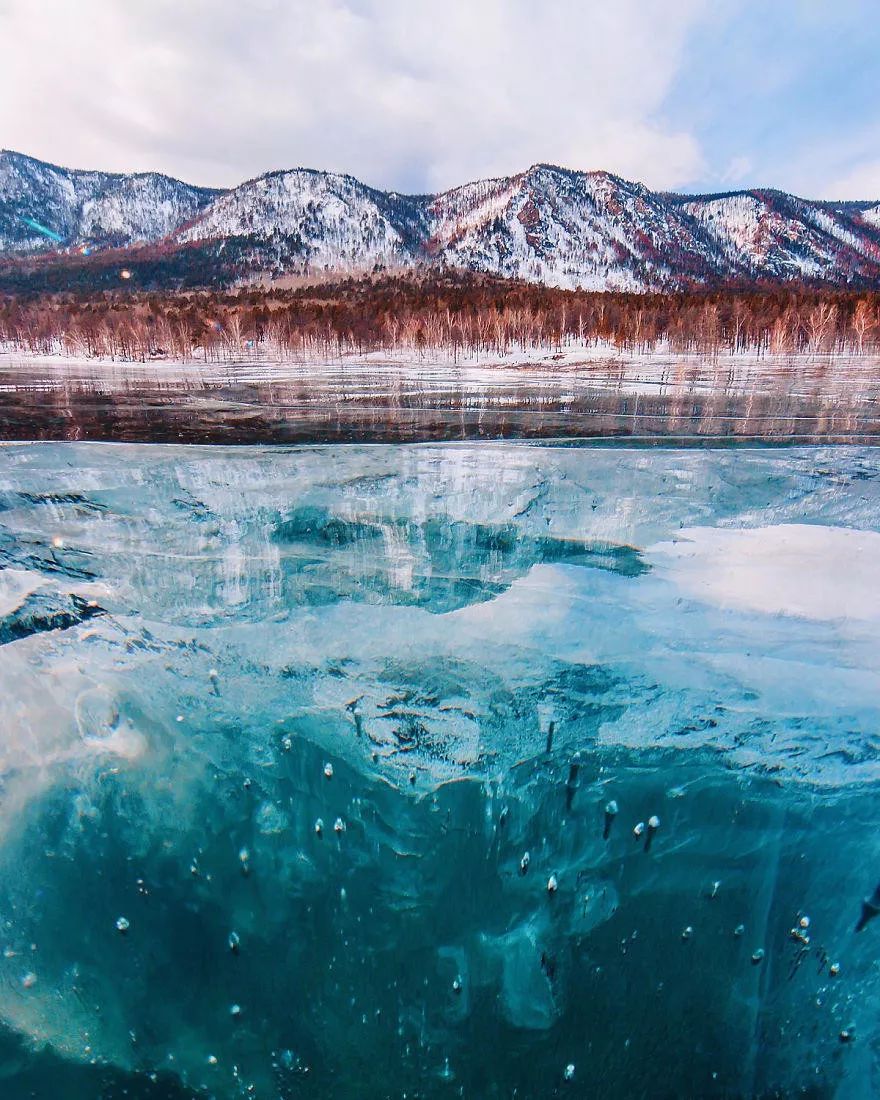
{"type": "Point", "coordinates": [808, 571]}
{"type": "Point", "coordinates": [589, 230]}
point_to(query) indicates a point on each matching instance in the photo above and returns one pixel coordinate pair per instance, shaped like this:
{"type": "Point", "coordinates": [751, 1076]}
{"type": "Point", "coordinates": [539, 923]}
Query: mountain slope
{"type": "Point", "coordinates": [304, 218]}
{"type": "Point", "coordinates": [81, 209]}
{"type": "Point", "coordinates": [570, 229]}
{"type": "Point", "coordinates": [547, 225]}
{"type": "Point", "coordinates": [772, 235]}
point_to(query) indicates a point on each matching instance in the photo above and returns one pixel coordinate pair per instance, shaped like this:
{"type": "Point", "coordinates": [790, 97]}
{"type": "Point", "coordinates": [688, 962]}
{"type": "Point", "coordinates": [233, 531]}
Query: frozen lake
{"type": "Point", "coordinates": [655, 397]}
{"type": "Point", "coordinates": [502, 769]}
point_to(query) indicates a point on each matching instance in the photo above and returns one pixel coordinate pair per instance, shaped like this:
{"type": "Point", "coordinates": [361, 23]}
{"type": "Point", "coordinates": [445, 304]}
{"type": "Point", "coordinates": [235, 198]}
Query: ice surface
{"type": "Point", "coordinates": [581, 390]}
{"type": "Point", "coordinates": [189, 636]}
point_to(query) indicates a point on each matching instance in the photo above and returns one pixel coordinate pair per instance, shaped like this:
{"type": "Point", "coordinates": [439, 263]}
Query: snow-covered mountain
{"type": "Point", "coordinates": [547, 224]}
{"type": "Point", "coordinates": [308, 218]}
{"type": "Point", "coordinates": [88, 209]}
{"type": "Point", "coordinates": [569, 229]}
{"type": "Point", "coordinates": [770, 234]}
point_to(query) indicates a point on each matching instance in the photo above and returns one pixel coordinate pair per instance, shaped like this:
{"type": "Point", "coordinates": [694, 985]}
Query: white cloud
{"type": "Point", "coordinates": [402, 93]}
{"type": "Point", "coordinates": [737, 169]}
{"type": "Point", "coordinates": [860, 182]}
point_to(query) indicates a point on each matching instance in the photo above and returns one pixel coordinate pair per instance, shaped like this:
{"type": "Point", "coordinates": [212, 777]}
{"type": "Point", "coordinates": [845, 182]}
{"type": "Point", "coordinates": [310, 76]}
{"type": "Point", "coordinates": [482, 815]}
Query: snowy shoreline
{"type": "Point", "coordinates": [601, 353]}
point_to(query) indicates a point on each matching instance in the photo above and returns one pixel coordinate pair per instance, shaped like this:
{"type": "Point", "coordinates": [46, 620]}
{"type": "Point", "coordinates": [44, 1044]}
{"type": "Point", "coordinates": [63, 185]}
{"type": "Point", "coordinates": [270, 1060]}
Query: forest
{"type": "Point", "coordinates": [459, 314]}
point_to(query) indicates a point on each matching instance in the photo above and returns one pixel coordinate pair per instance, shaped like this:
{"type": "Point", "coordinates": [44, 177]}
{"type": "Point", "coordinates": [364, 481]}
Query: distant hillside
{"type": "Point", "coordinates": [548, 225]}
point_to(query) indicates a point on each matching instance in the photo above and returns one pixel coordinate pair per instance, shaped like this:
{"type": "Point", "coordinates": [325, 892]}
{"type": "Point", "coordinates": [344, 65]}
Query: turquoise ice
{"type": "Point", "coordinates": [193, 902]}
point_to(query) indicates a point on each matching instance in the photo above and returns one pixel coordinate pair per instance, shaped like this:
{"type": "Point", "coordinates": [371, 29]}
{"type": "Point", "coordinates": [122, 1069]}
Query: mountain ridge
{"type": "Point", "coordinates": [547, 224]}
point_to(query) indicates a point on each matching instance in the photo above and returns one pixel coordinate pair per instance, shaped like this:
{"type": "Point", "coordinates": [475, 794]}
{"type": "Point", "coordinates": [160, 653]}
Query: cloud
{"type": "Point", "coordinates": [862, 181]}
{"type": "Point", "coordinates": [409, 94]}
{"type": "Point", "coordinates": [737, 169]}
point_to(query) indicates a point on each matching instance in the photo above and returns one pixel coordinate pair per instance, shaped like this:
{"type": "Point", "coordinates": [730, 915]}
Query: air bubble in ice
{"type": "Point", "coordinates": [270, 820]}
{"type": "Point", "coordinates": [610, 814]}
{"type": "Point", "coordinates": [97, 715]}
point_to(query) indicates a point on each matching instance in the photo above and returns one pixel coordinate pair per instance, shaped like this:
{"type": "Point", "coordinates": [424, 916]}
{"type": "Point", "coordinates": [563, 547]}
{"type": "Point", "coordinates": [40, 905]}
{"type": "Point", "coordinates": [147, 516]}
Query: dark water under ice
{"type": "Point", "coordinates": [280, 724]}
{"type": "Point", "coordinates": [653, 399]}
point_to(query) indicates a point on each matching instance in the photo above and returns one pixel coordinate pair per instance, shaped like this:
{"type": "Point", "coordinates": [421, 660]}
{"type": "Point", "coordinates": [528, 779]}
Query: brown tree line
{"type": "Point", "coordinates": [458, 315]}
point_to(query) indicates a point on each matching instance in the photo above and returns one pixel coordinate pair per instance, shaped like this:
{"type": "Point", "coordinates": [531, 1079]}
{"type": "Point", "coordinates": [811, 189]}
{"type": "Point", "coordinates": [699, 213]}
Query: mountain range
{"type": "Point", "coordinates": [548, 225]}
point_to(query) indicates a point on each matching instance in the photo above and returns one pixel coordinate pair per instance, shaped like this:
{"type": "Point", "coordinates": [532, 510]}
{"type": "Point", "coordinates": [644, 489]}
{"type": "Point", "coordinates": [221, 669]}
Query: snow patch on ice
{"type": "Point", "coordinates": [813, 572]}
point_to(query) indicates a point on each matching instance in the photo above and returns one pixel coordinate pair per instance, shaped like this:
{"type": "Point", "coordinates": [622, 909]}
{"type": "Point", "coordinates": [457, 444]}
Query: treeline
{"type": "Point", "coordinates": [456, 314]}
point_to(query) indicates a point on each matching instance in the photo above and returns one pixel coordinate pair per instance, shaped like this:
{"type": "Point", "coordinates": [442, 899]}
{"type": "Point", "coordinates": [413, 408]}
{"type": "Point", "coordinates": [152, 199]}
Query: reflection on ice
{"type": "Point", "coordinates": [820, 399]}
{"type": "Point", "coordinates": [437, 771]}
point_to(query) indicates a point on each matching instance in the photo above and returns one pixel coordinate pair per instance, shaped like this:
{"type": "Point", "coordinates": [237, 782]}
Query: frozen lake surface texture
{"type": "Point", "coordinates": [309, 756]}
{"type": "Point", "coordinates": [692, 400]}
{"type": "Point", "coordinates": [441, 769]}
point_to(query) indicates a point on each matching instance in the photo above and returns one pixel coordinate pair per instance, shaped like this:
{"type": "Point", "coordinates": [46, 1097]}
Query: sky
{"type": "Point", "coordinates": [421, 95]}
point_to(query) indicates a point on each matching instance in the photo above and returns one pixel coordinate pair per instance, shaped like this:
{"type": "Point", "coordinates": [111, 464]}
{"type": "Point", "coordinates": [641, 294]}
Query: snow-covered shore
{"type": "Point", "coordinates": [587, 354]}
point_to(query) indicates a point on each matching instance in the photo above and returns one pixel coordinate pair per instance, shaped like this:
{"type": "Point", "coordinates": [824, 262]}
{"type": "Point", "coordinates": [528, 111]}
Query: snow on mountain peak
{"type": "Point", "coordinates": [547, 224]}
{"type": "Point", "coordinates": [88, 208]}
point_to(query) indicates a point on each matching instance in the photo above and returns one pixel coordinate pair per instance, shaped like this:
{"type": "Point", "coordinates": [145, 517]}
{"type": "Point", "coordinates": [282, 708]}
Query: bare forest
{"type": "Point", "coordinates": [456, 315]}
